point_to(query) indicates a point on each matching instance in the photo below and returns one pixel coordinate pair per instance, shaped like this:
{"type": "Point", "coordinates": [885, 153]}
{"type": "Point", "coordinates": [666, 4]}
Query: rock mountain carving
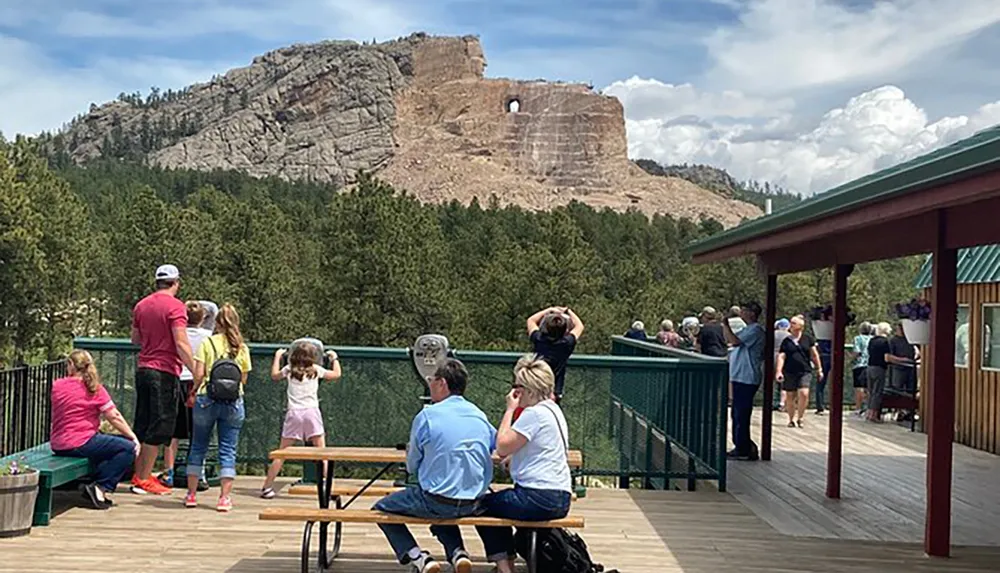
{"type": "Point", "coordinates": [418, 111]}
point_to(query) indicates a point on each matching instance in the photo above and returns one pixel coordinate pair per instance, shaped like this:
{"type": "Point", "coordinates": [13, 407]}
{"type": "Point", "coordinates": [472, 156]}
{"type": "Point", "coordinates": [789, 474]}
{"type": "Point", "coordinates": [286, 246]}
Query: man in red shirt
{"type": "Point", "coordinates": [159, 324]}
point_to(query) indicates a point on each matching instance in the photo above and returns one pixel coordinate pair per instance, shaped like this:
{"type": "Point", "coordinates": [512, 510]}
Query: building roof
{"type": "Point", "coordinates": [974, 155]}
{"type": "Point", "coordinates": [975, 265]}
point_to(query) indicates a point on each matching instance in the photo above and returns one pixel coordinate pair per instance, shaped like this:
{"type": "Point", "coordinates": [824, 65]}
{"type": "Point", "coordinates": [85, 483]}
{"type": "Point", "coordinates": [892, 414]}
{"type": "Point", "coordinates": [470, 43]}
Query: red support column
{"type": "Point", "coordinates": [836, 381]}
{"type": "Point", "coordinates": [770, 316]}
{"type": "Point", "coordinates": [941, 399]}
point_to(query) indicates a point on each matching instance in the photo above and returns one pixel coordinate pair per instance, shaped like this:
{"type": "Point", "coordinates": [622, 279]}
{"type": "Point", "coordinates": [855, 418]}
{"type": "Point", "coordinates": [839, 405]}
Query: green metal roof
{"type": "Point", "coordinates": [977, 154]}
{"type": "Point", "coordinates": [979, 264]}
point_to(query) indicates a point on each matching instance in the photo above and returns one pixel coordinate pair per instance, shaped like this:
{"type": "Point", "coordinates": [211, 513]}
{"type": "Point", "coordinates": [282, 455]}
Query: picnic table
{"type": "Point", "coordinates": [326, 458]}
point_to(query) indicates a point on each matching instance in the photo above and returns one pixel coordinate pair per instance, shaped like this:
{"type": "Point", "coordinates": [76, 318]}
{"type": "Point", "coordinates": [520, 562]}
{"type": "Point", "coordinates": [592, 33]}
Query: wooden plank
{"type": "Point", "coordinates": [368, 455]}
{"type": "Point", "coordinates": [632, 530]}
{"type": "Point", "coordinates": [374, 490]}
{"type": "Point", "coordinates": [378, 517]}
{"type": "Point", "coordinates": [883, 485]}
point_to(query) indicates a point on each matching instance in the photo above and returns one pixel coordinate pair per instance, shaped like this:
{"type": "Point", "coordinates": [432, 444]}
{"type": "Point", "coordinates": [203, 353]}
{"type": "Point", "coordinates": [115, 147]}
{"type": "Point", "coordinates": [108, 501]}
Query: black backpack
{"type": "Point", "coordinates": [225, 379]}
{"type": "Point", "coordinates": [557, 551]}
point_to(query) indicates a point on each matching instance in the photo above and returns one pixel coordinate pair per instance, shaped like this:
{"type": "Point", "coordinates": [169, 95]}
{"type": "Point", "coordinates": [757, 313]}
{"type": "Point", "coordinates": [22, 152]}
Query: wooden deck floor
{"type": "Point", "coordinates": [883, 487]}
{"type": "Point", "coordinates": [635, 531]}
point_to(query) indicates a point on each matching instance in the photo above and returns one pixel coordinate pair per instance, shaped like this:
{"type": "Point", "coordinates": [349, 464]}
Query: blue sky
{"type": "Point", "coordinates": [761, 87]}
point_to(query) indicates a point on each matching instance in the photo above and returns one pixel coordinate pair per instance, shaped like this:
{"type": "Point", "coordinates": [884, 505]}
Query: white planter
{"type": "Point", "coordinates": [917, 331]}
{"type": "Point", "coordinates": [823, 329]}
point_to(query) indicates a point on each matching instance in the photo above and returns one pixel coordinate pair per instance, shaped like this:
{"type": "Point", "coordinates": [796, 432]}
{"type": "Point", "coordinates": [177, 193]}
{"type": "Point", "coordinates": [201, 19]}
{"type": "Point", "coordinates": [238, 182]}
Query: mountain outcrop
{"type": "Point", "coordinates": [418, 111]}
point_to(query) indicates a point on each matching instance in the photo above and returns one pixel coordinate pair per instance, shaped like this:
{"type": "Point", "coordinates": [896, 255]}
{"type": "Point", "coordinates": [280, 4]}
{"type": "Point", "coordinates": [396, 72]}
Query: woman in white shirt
{"type": "Point", "coordinates": [537, 445]}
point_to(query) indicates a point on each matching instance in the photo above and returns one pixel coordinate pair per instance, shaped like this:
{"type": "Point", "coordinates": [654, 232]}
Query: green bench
{"type": "Point", "coordinates": [54, 471]}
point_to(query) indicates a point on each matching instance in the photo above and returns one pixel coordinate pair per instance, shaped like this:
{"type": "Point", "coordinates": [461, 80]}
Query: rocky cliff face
{"type": "Point", "coordinates": [417, 110]}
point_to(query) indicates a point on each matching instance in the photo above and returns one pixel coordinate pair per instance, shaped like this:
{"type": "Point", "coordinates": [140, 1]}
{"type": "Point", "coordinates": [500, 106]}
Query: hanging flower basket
{"type": "Point", "coordinates": [917, 331]}
{"type": "Point", "coordinates": [821, 318]}
{"type": "Point", "coordinates": [823, 329]}
{"type": "Point", "coordinates": [915, 316]}
{"type": "Point", "coordinates": [18, 490]}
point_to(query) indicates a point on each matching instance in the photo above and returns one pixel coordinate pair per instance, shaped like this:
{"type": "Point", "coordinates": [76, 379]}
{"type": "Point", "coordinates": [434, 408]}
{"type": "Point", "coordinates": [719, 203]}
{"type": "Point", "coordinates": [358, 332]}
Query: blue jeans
{"type": "Point", "coordinates": [525, 504]}
{"type": "Point", "coordinates": [229, 418]}
{"type": "Point", "coordinates": [743, 395]}
{"type": "Point", "coordinates": [413, 501]}
{"type": "Point", "coordinates": [113, 456]}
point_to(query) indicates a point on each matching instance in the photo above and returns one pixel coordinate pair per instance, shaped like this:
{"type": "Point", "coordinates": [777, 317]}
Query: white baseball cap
{"type": "Point", "coordinates": [167, 273]}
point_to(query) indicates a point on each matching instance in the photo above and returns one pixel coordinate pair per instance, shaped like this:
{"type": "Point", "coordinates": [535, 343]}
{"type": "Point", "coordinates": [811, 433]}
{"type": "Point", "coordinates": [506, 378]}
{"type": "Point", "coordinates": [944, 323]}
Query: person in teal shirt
{"type": "Point", "coordinates": [860, 368]}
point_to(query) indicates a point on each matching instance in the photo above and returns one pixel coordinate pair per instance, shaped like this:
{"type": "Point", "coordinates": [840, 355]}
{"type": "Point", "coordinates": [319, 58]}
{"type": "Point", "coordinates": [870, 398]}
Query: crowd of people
{"type": "Point", "coordinates": [881, 359]}
{"type": "Point", "coordinates": [191, 371]}
{"type": "Point", "coordinates": [736, 336]}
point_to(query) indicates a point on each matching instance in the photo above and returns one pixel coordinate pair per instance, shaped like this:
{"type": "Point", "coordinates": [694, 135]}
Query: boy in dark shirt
{"type": "Point", "coordinates": [547, 330]}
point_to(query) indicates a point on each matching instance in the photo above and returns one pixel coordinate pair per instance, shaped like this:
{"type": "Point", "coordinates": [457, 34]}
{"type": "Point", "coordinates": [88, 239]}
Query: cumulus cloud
{"type": "Point", "coordinates": [756, 138]}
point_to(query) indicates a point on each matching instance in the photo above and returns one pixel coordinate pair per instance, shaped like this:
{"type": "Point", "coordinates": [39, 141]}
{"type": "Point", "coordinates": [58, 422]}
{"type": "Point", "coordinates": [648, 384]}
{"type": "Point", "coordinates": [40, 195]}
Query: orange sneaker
{"type": "Point", "coordinates": [149, 486]}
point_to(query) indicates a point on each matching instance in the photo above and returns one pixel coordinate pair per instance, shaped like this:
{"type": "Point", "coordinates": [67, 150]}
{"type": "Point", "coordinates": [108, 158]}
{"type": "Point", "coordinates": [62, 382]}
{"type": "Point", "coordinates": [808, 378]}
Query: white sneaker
{"type": "Point", "coordinates": [461, 563]}
{"type": "Point", "coordinates": [425, 564]}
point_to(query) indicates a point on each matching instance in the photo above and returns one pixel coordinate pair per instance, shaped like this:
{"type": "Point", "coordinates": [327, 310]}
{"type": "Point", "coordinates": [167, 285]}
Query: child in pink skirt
{"type": "Point", "coordinates": [303, 420]}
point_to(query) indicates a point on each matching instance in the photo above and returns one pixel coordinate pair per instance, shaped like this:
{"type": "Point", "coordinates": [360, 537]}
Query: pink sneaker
{"type": "Point", "coordinates": [225, 504]}
{"type": "Point", "coordinates": [190, 500]}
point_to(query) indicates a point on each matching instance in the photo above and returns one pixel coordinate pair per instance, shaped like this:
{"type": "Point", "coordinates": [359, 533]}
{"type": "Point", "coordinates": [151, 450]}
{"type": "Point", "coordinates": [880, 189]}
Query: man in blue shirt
{"type": "Point", "coordinates": [450, 451]}
{"type": "Point", "coordinates": [745, 373]}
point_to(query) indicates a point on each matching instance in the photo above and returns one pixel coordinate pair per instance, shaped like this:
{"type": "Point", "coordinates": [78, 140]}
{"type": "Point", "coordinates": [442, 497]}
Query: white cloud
{"type": "Point", "coordinates": [779, 45]}
{"type": "Point", "coordinates": [754, 138]}
{"type": "Point", "coordinates": [38, 94]}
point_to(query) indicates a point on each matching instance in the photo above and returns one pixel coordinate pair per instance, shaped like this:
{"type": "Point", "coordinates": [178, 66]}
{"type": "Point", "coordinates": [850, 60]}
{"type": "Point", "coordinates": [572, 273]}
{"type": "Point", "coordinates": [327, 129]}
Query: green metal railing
{"type": "Point", "coordinates": [682, 412]}
{"type": "Point", "coordinates": [374, 402]}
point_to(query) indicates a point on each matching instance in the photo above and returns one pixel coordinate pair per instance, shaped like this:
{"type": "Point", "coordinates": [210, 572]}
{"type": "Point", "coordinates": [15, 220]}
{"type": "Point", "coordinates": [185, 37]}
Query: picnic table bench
{"type": "Point", "coordinates": [53, 471]}
{"type": "Point", "coordinates": [325, 516]}
{"type": "Point", "coordinates": [325, 458]}
{"type": "Point", "coordinates": [901, 399]}
{"type": "Point", "coordinates": [340, 491]}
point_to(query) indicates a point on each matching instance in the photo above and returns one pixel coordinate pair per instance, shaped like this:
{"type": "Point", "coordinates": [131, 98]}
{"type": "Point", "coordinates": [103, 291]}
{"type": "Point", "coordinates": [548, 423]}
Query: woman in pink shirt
{"type": "Point", "coordinates": [78, 403]}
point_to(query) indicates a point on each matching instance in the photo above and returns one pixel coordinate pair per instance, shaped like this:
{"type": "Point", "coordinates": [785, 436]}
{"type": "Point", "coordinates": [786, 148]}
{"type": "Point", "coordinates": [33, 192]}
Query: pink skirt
{"type": "Point", "coordinates": [302, 424]}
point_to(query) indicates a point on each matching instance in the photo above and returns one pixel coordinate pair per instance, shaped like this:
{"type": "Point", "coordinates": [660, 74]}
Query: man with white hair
{"type": "Point", "coordinates": [637, 332]}
{"type": "Point", "coordinates": [878, 352]}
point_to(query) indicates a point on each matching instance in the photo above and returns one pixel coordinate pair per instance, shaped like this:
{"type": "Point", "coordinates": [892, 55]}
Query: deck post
{"type": "Point", "coordinates": [770, 315]}
{"type": "Point", "coordinates": [941, 398]}
{"type": "Point", "coordinates": [836, 377]}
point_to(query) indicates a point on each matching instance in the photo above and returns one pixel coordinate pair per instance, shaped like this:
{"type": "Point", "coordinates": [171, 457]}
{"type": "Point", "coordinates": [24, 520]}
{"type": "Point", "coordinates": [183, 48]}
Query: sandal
{"type": "Point", "coordinates": [800, 423]}
{"type": "Point", "coordinates": [791, 424]}
{"type": "Point", "coordinates": [267, 493]}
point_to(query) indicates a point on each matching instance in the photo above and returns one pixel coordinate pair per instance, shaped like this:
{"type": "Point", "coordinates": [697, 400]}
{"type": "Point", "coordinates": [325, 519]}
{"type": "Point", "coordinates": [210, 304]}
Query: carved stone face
{"type": "Point", "coordinates": [474, 50]}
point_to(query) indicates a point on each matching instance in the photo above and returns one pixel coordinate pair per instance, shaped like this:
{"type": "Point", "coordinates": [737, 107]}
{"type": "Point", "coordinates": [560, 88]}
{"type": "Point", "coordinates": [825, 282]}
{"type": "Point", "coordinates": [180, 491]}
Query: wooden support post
{"type": "Point", "coordinates": [836, 382]}
{"type": "Point", "coordinates": [770, 315]}
{"type": "Point", "coordinates": [941, 398]}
